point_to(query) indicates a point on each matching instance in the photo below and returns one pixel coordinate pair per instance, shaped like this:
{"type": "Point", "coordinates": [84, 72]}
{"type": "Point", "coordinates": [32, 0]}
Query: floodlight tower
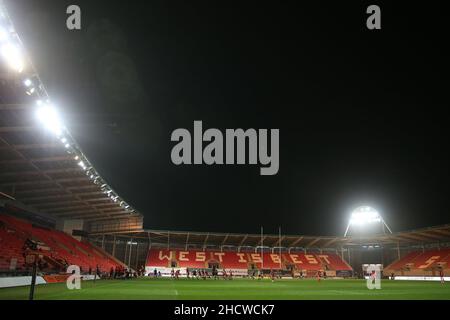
{"type": "Point", "coordinates": [365, 215]}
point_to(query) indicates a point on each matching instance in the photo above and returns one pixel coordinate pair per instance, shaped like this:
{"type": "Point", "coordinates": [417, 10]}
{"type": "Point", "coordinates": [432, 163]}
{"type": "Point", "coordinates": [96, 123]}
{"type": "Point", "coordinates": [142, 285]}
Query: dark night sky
{"type": "Point", "coordinates": [361, 113]}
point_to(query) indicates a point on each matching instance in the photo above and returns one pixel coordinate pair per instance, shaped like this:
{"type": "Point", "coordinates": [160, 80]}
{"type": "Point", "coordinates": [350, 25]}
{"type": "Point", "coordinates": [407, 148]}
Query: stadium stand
{"type": "Point", "coordinates": [446, 260]}
{"type": "Point", "coordinates": [191, 259]}
{"type": "Point", "coordinates": [400, 263]}
{"type": "Point", "coordinates": [304, 261]}
{"type": "Point", "coordinates": [243, 260]}
{"type": "Point", "coordinates": [420, 262]}
{"type": "Point", "coordinates": [272, 261]}
{"type": "Point", "coordinates": [45, 179]}
{"type": "Point", "coordinates": [237, 261]}
{"type": "Point", "coordinates": [333, 262]}
{"type": "Point", "coordinates": [427, 259]}
{"type": "Point", "coordinates": [62, 249]}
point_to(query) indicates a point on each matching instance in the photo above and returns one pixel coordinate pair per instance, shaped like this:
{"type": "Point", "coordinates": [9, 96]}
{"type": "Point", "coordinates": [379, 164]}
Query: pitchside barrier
{"type": "Point", "coordinates": [167, 272]}
{"type": "Point", "coordinates": [420, 278]}
{"type": "Point", "coordinates": [8, 282]}
{"type": "Point", "coordinates": [344, 273]}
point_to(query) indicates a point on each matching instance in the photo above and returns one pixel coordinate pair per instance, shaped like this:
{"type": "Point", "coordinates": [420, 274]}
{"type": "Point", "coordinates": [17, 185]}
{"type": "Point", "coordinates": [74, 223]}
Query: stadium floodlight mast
{"type": "Point", "coordinates": [365, 215]}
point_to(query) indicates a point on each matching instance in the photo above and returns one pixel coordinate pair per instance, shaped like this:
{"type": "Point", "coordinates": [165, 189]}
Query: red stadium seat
{"type": "Point", "coordinates": [235, 260]}
{"type": "Point", "coordinates": [304, 261]}
{"type": "Point", "coordinates": [402, 262]}
{"type": "Point", "coordinates": [244, 260]}
{"type": "Point", "coordinates": [63, 247]}
{"type": "Point", "coordinates": [197, 259]}
{"type": "Point", "coordinates": [333, 261]}
{"type": "Point", "coordinates": [428, 259]}
{"type": "Point", "coordinates": [160, 258]}
{"type": "Point", "coordinates": [421, 260]}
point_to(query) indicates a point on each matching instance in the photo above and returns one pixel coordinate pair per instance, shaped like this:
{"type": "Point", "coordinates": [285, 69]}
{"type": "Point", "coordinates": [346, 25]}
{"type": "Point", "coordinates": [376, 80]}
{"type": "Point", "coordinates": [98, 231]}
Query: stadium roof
{"type": "Point", "coordinates": [419, 236]}
{"type": "Point", "coordinates": [37, 170]}
{"type": "Point", "coordinates": [41, 165]}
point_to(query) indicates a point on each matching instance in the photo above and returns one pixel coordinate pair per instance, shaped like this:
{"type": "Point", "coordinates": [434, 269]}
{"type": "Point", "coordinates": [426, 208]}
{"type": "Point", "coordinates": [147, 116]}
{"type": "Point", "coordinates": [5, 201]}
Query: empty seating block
{"type": "Point", "coordinates": [63, 247]}
{"type": "Point", "coordinates": [421, 260]}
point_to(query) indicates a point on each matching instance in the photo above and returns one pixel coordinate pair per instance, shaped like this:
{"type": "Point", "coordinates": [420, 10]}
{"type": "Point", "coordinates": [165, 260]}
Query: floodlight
{"type": "Point", "coordinates": [27, 82]}
{"type": "Point", "coordinates": [50, 119]}
{"type": "Point", "coordinates": [81, 164]}
{"type": "Point", "coordinates": [13, 56]}
{"type": "Point", "coordinates": [365, 215]}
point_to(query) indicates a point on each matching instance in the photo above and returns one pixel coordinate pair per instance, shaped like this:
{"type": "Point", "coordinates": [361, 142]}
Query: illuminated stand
{"type": "Point", "coordinates": [365, 215]}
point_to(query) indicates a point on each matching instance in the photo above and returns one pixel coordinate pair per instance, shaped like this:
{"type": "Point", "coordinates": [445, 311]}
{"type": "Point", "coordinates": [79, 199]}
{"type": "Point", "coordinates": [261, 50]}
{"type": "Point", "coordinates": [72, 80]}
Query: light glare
{"type": "Point", "coordinates": [13, 57]}
{"type": "Point", "coordinates": [364, 215]}
{"type": "Point", "coordinates": [48, 116]}
{"type": "Point", "coordinates": [3, 34]}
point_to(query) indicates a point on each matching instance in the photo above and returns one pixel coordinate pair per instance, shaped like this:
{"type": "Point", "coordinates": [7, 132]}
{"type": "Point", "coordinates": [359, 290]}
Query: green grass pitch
{"type": "Point", "coordinates": [169, 289]}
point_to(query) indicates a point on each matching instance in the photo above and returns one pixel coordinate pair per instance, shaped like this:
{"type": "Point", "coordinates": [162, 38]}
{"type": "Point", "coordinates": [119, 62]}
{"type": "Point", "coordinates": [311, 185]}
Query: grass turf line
{"type": "Point", "coordinates": [169, 289]}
